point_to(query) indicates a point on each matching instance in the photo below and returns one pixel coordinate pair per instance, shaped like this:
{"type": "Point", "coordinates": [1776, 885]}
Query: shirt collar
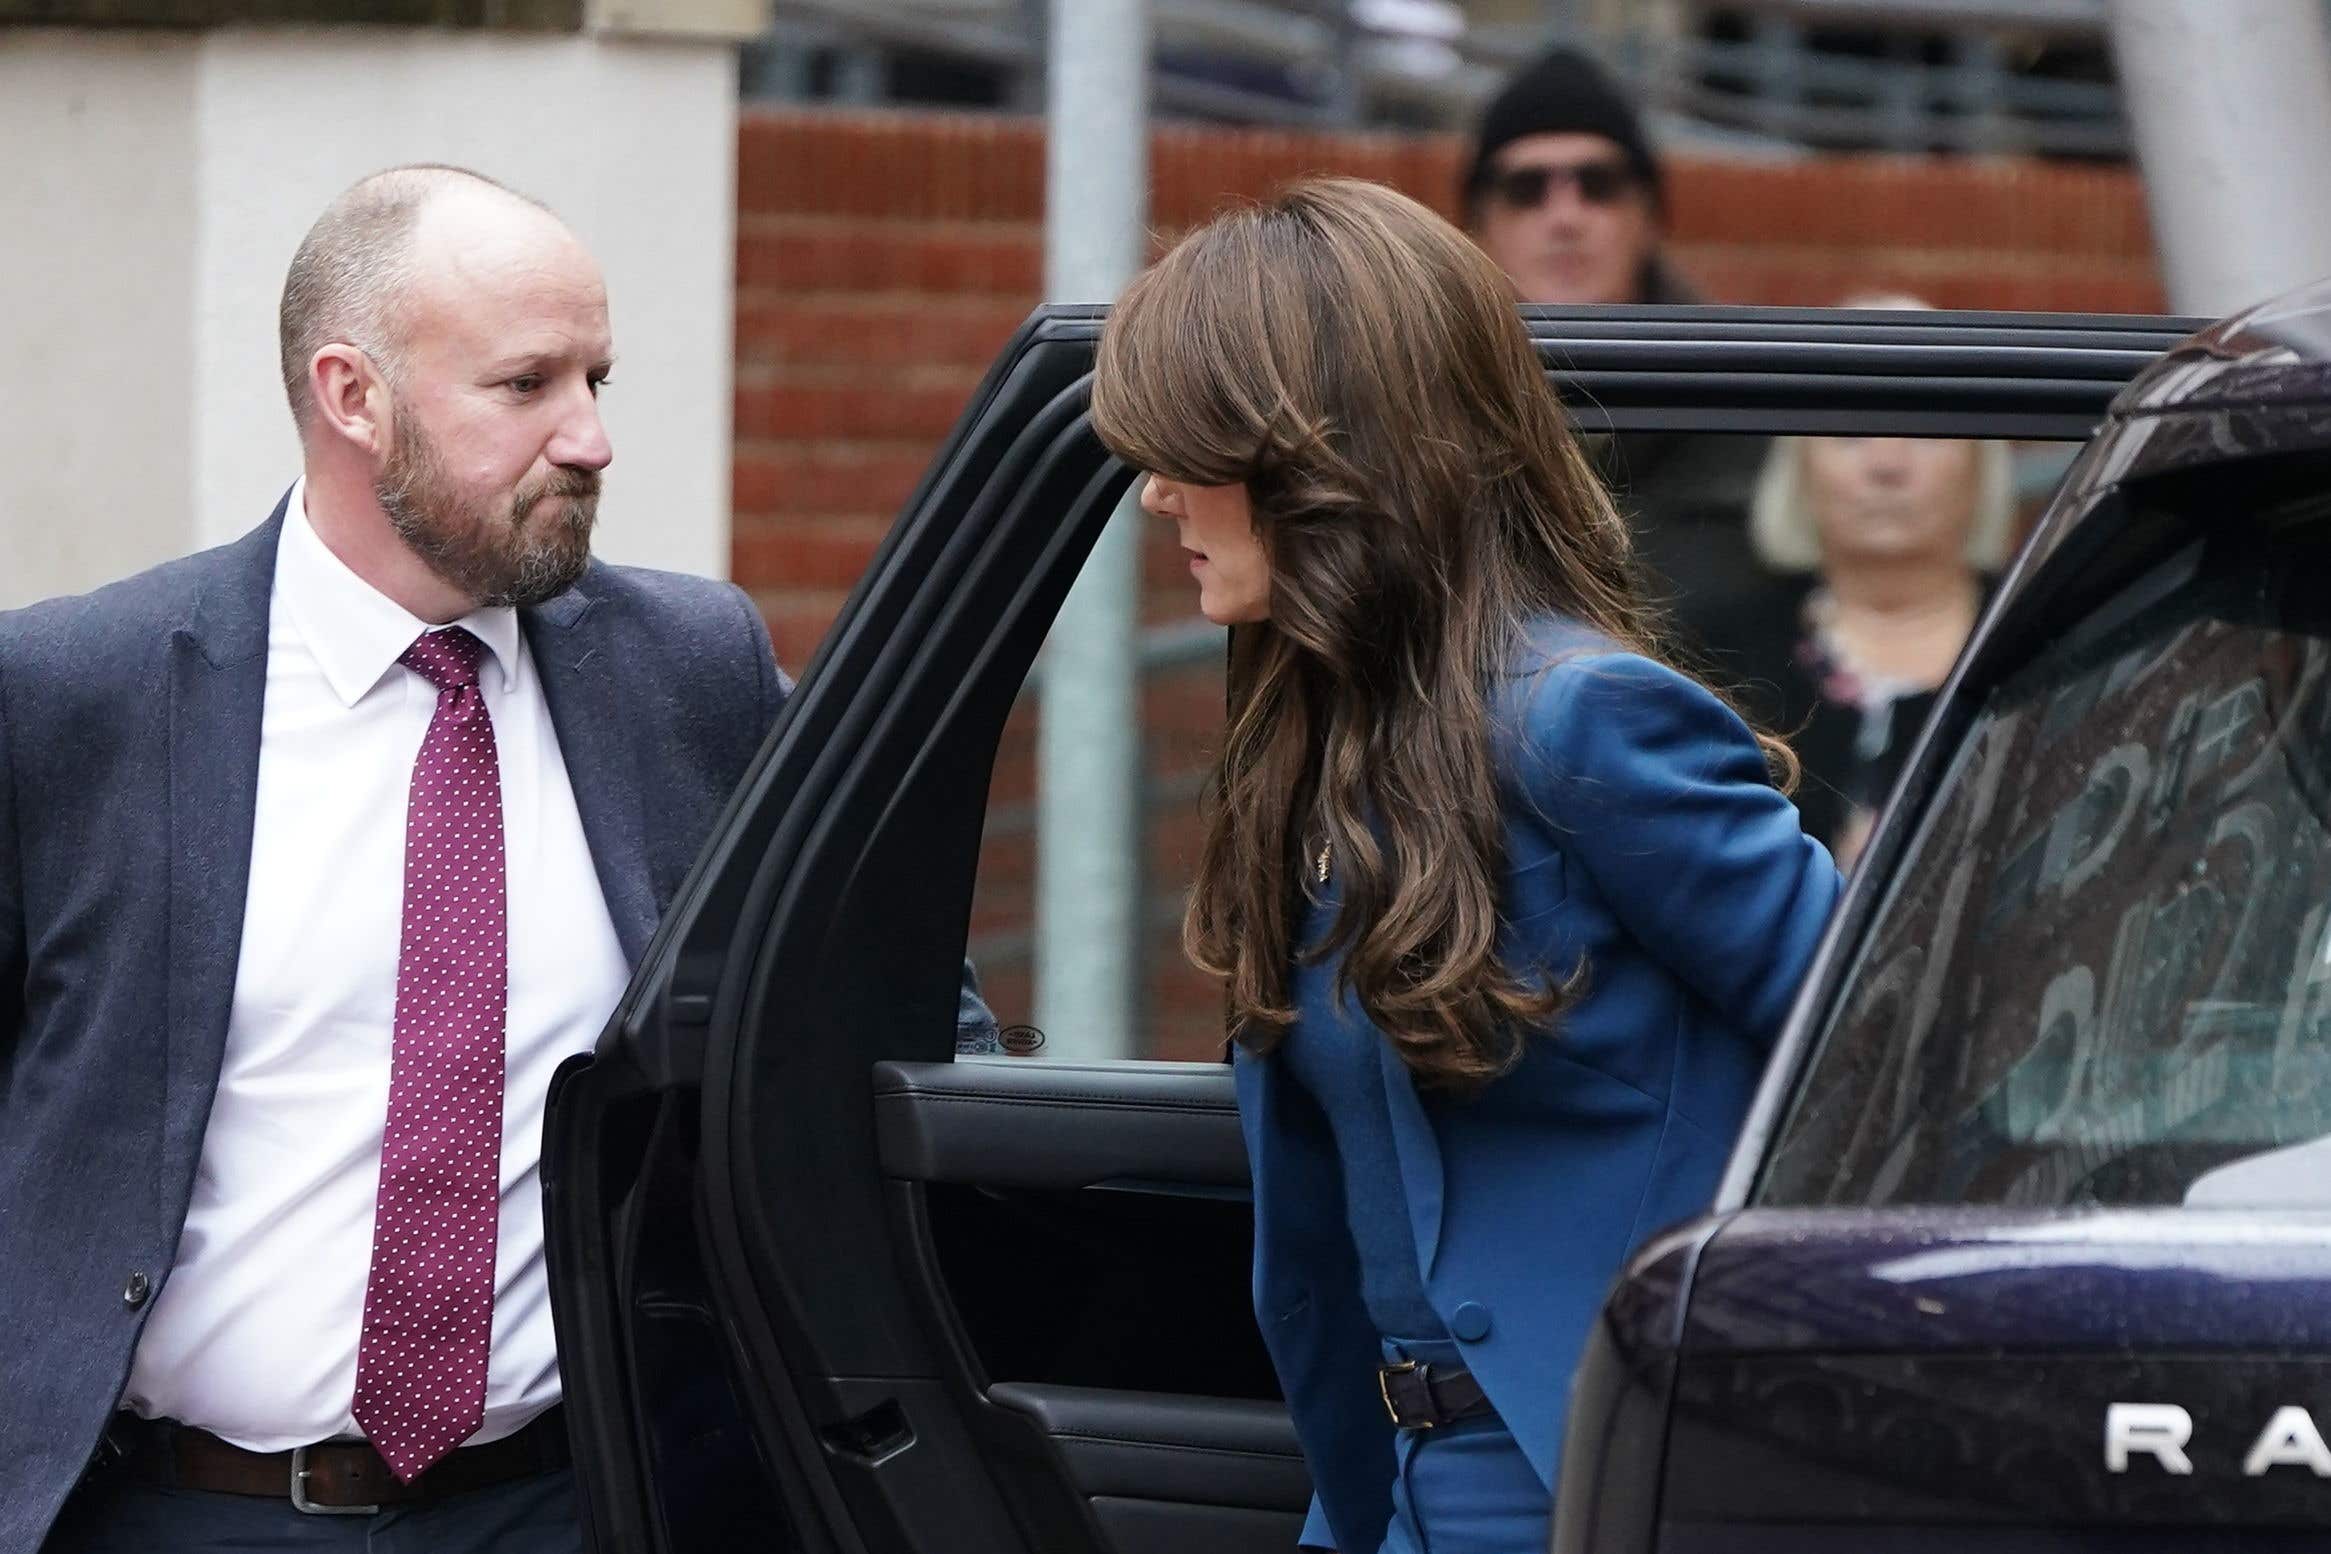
{"type": "Point", "coordinates": [356, 632]}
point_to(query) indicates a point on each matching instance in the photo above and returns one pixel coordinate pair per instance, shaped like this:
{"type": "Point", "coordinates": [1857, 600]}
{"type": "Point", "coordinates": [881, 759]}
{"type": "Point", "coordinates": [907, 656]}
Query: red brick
{"type": "Point", "coordinates": [1176, 836]}
{"type": "Point", "coordinates": [797, 622]}
{"type": "Point", "coordinates": [1013, 779]}
{"type": "Point", "coordinates": [1007, 863]}
{"type": "Point", "coordinates": [902, 171]}
{"type": "Point", "coordinates": [1910, 202]}
{"type": "Point", "coordinates": [892, 164]}
{"type": "Point", "coordinates": [1196, 170]}
{"type": "Point", "coordinates": [1184, 708]}
{"type": "Point", "coordinates": [944, 166]}
{"type": "Point", "coordinates": [792, 254]}
{"type": "Point", "coordinates": [802, 553]}
{"type": "Point", "coordinates": [996, 912]}
{"type": "Point", "coordinates": [884, 330]}
{"type": "Point", "coordinates": [794, 478]}
{"type": "Point", "coordinates": [1184, 1010]}
{"type": "Point", "coordinates": [794, 407]}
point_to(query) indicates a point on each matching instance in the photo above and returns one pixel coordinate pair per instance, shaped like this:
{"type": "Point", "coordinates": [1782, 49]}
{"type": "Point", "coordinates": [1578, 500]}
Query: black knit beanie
{"type": "Point", "coordinates": [1565, 93]}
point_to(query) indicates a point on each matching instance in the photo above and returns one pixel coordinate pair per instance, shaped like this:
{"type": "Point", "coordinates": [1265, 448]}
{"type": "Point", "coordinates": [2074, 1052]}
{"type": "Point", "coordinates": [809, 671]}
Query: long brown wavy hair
{"type": "Point", "coordinates": [1359, 366]}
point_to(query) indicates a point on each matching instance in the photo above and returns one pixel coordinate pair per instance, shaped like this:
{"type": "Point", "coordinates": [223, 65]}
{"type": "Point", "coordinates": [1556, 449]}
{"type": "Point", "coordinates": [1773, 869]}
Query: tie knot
{"type": "Point", "coordinates": [447, 659]}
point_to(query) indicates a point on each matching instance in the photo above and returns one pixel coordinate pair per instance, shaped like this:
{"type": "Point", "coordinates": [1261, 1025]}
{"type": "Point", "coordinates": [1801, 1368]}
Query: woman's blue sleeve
{"type": "Point", "coordinates": [1660, 794]}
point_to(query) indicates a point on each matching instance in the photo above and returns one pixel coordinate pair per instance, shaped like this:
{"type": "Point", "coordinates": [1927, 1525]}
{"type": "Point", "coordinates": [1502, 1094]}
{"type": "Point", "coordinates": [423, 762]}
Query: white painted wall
{"type": "Point", "coordinates": [96, 276]}
{"type": "Point", "coordinates": [168, 177]}
{"type": "Point", "coordinates": [2226, 100]}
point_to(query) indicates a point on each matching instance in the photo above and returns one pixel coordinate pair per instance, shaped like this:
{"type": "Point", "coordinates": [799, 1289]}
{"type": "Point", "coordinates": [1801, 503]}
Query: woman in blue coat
{"type": "Point", "coordinates": [1510, 909]}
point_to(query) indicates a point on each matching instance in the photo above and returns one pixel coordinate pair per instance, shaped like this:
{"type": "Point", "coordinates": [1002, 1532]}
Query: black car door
{"type": "Point", "coordinates": [820, 1285]}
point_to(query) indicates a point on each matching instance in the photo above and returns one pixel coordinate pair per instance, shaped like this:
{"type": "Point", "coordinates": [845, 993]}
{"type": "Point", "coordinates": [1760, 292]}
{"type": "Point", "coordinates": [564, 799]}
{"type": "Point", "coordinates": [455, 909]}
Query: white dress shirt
{"type": "Point", "coordinates": [254, 1334]}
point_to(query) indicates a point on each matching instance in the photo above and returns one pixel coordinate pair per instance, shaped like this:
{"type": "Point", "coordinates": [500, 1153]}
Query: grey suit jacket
{"type": "Point", "coordinates": [129, 752]}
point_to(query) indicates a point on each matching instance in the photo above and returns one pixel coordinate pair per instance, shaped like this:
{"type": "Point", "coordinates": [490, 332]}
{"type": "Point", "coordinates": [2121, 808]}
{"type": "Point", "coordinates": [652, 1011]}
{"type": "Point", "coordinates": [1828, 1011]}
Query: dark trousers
{"type": "Point", "coordinates": [118, 1513]}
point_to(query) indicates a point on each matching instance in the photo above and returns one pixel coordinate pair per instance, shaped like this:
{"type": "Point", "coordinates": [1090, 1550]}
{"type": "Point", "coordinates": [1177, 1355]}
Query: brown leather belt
{"type": "Point", "coordinates": [1425, 1397]}
{"type": "Point", "coordinates": [346, 1478]}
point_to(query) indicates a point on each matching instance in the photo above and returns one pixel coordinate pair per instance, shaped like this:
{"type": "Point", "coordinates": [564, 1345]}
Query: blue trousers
{"type": "Point", "coordinates": [1462, 1488]}
{"type": "Point", "coordinates": [117, 1513]}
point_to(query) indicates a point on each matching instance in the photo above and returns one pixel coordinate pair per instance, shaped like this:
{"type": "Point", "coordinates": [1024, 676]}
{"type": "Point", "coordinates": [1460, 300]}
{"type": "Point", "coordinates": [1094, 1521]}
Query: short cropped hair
{"type": "Point", "coordinates": [353, 268]}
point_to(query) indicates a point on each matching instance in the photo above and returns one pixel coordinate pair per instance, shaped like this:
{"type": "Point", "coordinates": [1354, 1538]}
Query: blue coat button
{"type": "Point", "coordinates": [1470, 1322]}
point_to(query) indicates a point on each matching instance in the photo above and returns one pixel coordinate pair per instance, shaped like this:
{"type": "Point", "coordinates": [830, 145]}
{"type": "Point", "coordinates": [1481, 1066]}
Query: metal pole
{"type": "Point", "coordinates": [1088, 825]}
{"type": "Point", "coordinates": [1780, 69]}
{"type": "Point", "coordinates": [2225, 99]}
{"type": "Point", "coordinates": [1347, 98]}
{"type": "Point", "coordinates": [1978, 65]}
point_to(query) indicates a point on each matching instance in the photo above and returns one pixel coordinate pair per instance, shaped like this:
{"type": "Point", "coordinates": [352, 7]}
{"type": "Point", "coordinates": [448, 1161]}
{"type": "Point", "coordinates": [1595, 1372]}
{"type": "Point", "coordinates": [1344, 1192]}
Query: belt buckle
{"type": "Point", "coordinates": [299, 1492]}
{"type": "Point", "coordinates": [1384, 1375]}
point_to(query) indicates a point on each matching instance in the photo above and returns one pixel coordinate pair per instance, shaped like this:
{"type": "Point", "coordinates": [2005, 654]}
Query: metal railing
{"type": "Point", "coordinates": [1329, 64]}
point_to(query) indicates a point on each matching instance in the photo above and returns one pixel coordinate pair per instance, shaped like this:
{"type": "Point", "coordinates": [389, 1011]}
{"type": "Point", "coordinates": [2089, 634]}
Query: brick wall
{"type": "Point", "coordinates": [883, 259]}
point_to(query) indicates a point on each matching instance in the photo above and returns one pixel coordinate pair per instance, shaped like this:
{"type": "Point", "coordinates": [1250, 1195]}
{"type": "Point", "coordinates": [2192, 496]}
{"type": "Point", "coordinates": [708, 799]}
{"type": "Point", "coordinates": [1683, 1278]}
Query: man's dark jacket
{"type": "Point", "coordinates": [1686, 496]}
{"type": "Point", "coordinates": [129, 756]}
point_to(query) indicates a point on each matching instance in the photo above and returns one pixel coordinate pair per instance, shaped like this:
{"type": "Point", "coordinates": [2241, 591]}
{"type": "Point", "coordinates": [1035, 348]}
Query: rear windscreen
{"type": "Point", "coordinates": [2102, 971]}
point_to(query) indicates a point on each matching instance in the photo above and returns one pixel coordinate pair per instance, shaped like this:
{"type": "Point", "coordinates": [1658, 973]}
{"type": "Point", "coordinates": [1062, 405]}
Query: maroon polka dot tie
{"type": "Point", "coordinates": [429, 1302]}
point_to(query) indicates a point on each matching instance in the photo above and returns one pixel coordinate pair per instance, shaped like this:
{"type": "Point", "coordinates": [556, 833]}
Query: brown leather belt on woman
{"type": "Point", "coordinates": [344, 1478]}
{"type": "Point", "coordinates": [1419, 1397]}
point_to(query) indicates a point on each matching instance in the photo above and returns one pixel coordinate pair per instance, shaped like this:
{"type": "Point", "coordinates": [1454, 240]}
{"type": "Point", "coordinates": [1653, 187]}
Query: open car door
{"type": "Point", "coordinates": [822, 1286]}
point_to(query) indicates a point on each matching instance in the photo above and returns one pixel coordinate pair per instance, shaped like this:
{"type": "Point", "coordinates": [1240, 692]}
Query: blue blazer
{"type": "Point", "coordinates": [1643, 838]}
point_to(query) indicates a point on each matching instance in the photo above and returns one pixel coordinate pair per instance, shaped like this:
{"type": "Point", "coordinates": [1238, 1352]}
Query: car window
{"type": "Point", "coordinates": [2102, 971]}
{"type": "Point", "coordinates": [1177, 1011]}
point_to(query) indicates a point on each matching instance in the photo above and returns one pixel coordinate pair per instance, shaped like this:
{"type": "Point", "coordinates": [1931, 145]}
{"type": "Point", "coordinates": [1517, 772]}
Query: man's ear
{"type": "Point", "coordinates": [352, 398]}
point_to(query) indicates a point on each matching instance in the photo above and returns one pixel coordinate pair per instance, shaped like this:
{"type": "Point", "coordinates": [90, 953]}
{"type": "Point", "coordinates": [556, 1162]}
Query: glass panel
{"type": "Point", "coordinates": [2103, 973]}
{"type": "Point", "coordinates": [1177, 1010]}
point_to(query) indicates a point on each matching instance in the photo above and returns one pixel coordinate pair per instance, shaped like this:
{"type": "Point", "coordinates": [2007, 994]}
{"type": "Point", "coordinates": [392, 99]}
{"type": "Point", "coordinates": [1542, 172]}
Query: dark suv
{"type": "Point", "coordinates": [2017, 1254]}
{"type": "Point", "coordinates": [2028, 1243]}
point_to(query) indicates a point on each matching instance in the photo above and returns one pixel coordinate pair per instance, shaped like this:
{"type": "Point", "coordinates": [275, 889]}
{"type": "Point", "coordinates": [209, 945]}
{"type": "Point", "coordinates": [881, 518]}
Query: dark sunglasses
{"type": "Point", "coordinates": [1526, 188]}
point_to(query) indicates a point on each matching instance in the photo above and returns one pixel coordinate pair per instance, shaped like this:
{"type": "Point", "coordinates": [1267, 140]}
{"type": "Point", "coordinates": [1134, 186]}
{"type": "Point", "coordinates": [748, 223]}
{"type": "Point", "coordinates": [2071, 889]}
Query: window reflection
{"type": "Point", "coordinates": [2102, 974]}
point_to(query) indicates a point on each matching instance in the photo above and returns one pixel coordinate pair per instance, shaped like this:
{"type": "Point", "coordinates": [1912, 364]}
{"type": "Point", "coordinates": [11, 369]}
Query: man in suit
{"type": "Point", "coordinates": [318, 853]}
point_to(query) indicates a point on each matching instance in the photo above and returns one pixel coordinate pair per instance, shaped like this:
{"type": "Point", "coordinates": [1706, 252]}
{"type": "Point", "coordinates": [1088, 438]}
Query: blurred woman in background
{"type": "Point", "coordinates": [1895, 541]}
{"type": "Point", "coordinates": [1510, 909]}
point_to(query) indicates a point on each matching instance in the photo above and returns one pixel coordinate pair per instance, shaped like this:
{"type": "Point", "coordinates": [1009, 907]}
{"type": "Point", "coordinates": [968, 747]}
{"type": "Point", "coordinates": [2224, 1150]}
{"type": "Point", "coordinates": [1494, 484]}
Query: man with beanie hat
{"type": "Point", "coordinates": [1564, 192]}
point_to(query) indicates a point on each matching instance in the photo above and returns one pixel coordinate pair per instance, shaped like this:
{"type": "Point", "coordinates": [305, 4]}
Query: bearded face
{"type": "Point", "coordinates": [514, 547]}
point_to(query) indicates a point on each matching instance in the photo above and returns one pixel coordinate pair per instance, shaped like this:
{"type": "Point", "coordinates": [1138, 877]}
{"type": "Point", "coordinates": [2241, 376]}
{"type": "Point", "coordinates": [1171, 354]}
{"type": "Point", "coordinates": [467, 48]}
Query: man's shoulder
{"type": "Point", "coordinates": [691, 651]}
{"type": "Point", "coordinates": [680, 614]}
{"type": "Point", "coordinates": [124, 618]}
{"type": "Point", "coordinates": [693, 626]}
{"type": "Point", "coordinates": [682, 597]}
